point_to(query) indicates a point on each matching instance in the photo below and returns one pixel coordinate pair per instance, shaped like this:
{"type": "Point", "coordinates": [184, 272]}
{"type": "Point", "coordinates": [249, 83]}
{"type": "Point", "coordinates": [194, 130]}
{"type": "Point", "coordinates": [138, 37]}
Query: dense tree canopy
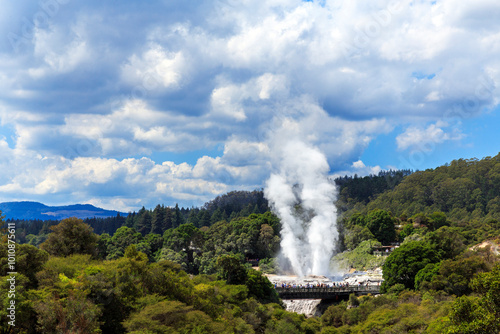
{"type": "Point", "coordinates": [71, 236]}
{"type": "Point", "coordinates": [177, 270]}
{"type": "Point", "coordinates": [464, 189]}
{"type": "Point", "coordinates": [405, 262]}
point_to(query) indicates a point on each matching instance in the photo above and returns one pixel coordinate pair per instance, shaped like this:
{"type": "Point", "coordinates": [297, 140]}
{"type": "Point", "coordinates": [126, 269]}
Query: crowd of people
{"type": "Point", "coordinates": [310, 285]}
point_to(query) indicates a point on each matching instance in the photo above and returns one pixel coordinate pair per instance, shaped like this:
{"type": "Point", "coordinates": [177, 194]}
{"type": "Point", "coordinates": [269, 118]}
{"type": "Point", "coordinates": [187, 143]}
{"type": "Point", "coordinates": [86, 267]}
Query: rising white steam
{"type": "Point", "coordinates": [301, 194]}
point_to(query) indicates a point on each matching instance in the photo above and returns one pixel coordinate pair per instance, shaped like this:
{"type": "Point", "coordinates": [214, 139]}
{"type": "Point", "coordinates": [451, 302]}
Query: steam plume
{"type": "Point", "coordinates": [302, 196]}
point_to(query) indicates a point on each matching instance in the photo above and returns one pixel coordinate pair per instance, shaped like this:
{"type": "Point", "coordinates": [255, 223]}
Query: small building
{"type": "Point", "coordinates": [384, 250]}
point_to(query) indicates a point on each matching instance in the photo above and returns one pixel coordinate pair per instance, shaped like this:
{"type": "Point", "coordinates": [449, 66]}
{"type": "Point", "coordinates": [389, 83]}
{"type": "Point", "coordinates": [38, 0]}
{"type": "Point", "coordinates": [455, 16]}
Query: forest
{"type": "Point", "coordinates": [177, 270]}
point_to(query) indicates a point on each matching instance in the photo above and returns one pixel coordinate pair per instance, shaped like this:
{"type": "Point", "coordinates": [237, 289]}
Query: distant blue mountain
{"type": "Point", "coordinates": [35, 210]}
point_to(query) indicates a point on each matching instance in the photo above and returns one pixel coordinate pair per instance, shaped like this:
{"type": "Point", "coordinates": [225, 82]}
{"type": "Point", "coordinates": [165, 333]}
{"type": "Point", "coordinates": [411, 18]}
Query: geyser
{"type": "Point", "coordinates": [301, 194]}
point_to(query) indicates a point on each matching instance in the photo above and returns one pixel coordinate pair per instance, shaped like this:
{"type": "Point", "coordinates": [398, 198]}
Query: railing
{"type": "Point", "coordinates": [325, 292]}
{"type": "Point", "coordinates": [379, 253]}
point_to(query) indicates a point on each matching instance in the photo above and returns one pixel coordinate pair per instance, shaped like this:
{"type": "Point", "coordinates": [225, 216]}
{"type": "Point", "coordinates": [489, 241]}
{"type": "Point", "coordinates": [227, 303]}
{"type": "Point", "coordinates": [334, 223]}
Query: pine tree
{"type": "Point", "coordinates": [178, 218]}
{"type": "Point", "coordinates": [158, 220]}
{"type": "Point", "coordinates": [144, 223]}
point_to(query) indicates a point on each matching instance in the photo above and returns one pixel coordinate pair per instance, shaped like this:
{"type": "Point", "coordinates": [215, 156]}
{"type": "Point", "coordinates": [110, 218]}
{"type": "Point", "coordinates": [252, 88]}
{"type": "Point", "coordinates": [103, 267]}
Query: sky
{"type": "Point", "coordinates": [124, 104]}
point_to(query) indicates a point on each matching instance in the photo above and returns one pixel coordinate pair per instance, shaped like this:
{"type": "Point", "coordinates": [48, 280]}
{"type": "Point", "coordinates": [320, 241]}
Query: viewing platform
{"type": "Point", "coordinates": [327, 292]}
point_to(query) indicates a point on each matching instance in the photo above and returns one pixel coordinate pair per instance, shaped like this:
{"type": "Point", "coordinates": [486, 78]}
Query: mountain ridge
{"type": "Point", "coordinates": [31, 210]}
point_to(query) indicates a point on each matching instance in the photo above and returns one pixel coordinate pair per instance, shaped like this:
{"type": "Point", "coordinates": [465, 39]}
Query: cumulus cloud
{"type": "Point", "coordinates": [123, 184]}
{"type": "Point", "coordinates": [360, 168]}
{"type": "Point", "coordinates": [155, 68]}
{"type": "Point", "coordinates": [61, 51]}
{"type": "Point", "coordinates": [228, 100]}
{"type": "Point", "coordinates": [98, 83]}
{"type": "Point", "coordinates": [425, 139]}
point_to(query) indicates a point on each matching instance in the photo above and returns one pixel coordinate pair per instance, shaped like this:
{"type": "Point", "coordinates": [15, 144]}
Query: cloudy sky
{"type": "Point", "coordinates": [129, 103]}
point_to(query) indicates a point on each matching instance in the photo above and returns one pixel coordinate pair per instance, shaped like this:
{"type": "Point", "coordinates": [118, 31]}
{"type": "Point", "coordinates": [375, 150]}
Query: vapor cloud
{"type": "Point", "coordinates": [302, 196]}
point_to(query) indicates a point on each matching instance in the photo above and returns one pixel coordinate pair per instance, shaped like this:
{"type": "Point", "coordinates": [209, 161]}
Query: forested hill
{"type": "Point", "coordinates": [176, 270]}
{"type": "Point", "coordinates": [26, 210]}
{"type": "Point", "coordinates": [465, 189]}
{"type": "Point", "coordinates": [354, 189]}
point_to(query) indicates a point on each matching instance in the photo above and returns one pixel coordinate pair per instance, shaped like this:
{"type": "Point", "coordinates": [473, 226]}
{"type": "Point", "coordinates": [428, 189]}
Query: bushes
{"type": "Point", "coordinates": [361, 257]}
{"type": "Point", "coordinates": [386, 313]}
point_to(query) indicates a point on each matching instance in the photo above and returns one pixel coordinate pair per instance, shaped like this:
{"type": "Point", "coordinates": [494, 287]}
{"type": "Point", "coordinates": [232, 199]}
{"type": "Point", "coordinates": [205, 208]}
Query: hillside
{"type": "Point", "coordinates": [35, 210]}
{"type": "Point", "coordinates": [189, 270]}
{"type": "Point", "coordinates": [465, 189]}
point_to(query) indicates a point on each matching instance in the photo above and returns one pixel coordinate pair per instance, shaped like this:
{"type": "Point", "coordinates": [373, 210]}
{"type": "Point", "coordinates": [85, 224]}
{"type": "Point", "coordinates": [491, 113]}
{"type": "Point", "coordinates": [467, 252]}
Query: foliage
{"type": "Point", "coordinates": [354, 189]}
{"type": "Point", "coordinates": [426, 275]}
{"type": "Point", "coordinates": [29, 260]}
{"type": "Point", "coordinates": [237, 201]}
{"type": "Point", "coordinates": [71, 236]}
{"type": "Point", "coordinates": [162, 281]}
{"type": "Point", "coordinates": [171, 316]}
{"type": "Point", "coordinates": [479, 314]}
{"type": "Point", "coordinates": [123, 237]}
{"type": "Point", "coordinates": [269, 266]}
{"type": "Point", "coordinates": [464, 189]}
{"type": "Point", "coordinates": [71, 314]}
{"type": "Point", "coordinates": [355, 235]}
{"type": "Point", "coordinates": [260, 287]}
{"type": "Point", "coordinates": [452, 275]}
{"type": "Point", "coordinates": [231, 270]}
{"type": "Point", "coordinates": [406, 261]}
{"type": "Point", "coordinates": [448, 242]}
{"type": "Point", "coordinates": [408, 313]}
{"type": "Point", "coordinates": [381, 224]}
{"type": "Point", "coordinates": [360, 258]}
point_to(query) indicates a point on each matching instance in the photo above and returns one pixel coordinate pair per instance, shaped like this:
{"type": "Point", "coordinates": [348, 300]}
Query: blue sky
{"type": "Point", "coordinates": [125, 104]}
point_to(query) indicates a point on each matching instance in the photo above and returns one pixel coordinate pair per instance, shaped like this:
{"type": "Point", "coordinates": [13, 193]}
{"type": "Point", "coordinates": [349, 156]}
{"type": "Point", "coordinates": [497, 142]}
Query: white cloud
{"type": "Point", "coordinates": [425, 139]}
{"type": "Point", "coordinates": [91, 89]}
{"type": "Point", "coordinates": [222, 102]}
{"type": "Point", "coordinates": [61, 50]}
{"type": "Point", "coordinates": [114, 183]}
{"type": "Point", "coordinates": [358, 167]}
{"type": "Point", "coordinates": [228, 100]}
{"type": "Point", "coordinates": [156, 68]}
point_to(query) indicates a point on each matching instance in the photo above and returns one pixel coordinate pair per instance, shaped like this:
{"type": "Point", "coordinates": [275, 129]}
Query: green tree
{"type": "Point", "coordinates": [29, 261]}
{"type": "Point", "coordinates": [355, 235]}
{"type": "Point", "coordinates": [381, 224]}
{"type": "Point", "coordinates": [157, 221]}
{"type": "Point", "coordinates": [178, 218]}
{"type": "Point", "coordinates": [203, 218]}
{"type": "Point", "coordinates": [217, 215]}
{"type": "Point", "coordinates": [144, 223]}
{"type": "Point", "coordinates": [193, 217]}
{"type": "Point", "coordinates": [452, 275]}
{"type": "Point", "coordinates": [437, 220]}
{"type": "Point", "coordinates": [185, 238]}
{"type": "Point", "coordinates": [123, 237]}
{"type": "Point", "coordinates": [426, 274]}
{"type": "Point", "coordinates": [25, 315]}
{"type": "Point", "coordinates": [447, 241]}
{"type": "Point", "coordinates": [103, 244]}
{"type": "Point", "coordinates": [260, 287]}
{"type": "Point", "coordinates": [405, 262]}
{"type": "Point", "coordinates": [72, 314]}
{"type": "Point", "coordinates": [180, 238]}
{"type": "Point", "coordinates": [267, 243]}
{"type": "Point", "coordinates": [469, 316]}
{"type": "Point", "coordinates": [231, 270]}
{"type": "Point", "coordinates": [407, 230]}
{"type": "Point", "coordinates": [171, 317]}
{"type": "Point", "coordinates": [155, 241]}
{"type": "Point", "coordinates": [71, 236]}
{"type": "Point", "coordinates": [357, 219]}
{"type": "Point", "coordinates": [353, 300]}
